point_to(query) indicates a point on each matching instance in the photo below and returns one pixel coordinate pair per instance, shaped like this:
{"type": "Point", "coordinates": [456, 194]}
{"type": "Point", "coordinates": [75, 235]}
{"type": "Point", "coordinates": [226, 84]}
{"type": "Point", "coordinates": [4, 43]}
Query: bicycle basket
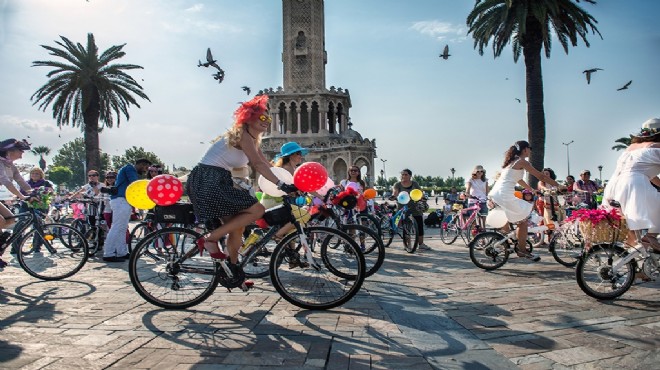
{"type": "Point", "coordinates": [278, 215]}
{"type": "Point", "coordinates": [178, 213]}
{"type": "Point", "coordinates": [457, 207]}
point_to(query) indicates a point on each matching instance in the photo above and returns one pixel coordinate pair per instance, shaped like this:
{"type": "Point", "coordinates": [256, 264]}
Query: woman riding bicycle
{"type": "Point", "coordinates": [477, 188]}
{"type": "Point", "coordinates": [517, 210]}
{"type": "Point", "coordinates": [10, 151]}
{"type": "Point", "coordinates": [211, 188]}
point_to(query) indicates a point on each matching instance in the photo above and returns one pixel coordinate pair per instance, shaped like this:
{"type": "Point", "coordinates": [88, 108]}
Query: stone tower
{"type": "Point", "coordinates": [304, 110]}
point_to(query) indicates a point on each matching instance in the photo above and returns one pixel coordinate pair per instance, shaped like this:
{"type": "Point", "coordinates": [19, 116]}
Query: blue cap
{"type": "Point", "coordinates": [290, 148]}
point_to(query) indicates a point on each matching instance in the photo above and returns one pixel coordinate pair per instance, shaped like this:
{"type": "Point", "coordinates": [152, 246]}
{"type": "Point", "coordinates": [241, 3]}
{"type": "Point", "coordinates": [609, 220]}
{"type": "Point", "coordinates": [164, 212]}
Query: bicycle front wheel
{"type": "Point", "coordinates": [386, 230]}
{"type": "Point", "coordinates": [566, 248]}
{"type": "Point", "coordinates": [323, 278]}
{"type": "Point", "coordinates": [137, 234]}
{"type": "Point", "coordinates": [57, 254]}
{"type": "Point", "coordinates": [369, 221]}
{"type": "Point", "coordinates": [488, 252]}
{"type": "Point", "coordinates": [449, 232]}
{"type": "Point", "coordinates": [257, 263]}
{"type": "Point", "coordinates": [409, 234]}
{"type": "Point", "coordinates": [370, 244]}
{"type": "Point", "coordinates": [163, 277]}
{"type": "Point", "coordinates": [598, 275]}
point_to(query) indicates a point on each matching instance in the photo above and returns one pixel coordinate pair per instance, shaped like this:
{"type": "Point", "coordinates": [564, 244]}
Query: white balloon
{"type": "Point", "coordinates": [270, 188]}
{"type": "Point", "coordinates": [353, 185]}
{"type": "Point", "coordinates": [496, 218]}
{"type": "Point", "coordinates": [403, 197]}
{"type": "Point", "coordinates": [329, 184]}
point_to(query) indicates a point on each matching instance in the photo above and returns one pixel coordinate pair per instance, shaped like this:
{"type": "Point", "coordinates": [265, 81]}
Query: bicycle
{"type": "Point", "coordinates": [607, 270]}
{"type": "Point", "coordinates": [92, 225]}
{"type": "Point", "coordinates": [66, 250]}
{"type": "Point", "coordinates": [303, 269]}
{"type": "Point", "coordinates": [459, 225]}
{"type": "Point", "coordinates": [403, 224]}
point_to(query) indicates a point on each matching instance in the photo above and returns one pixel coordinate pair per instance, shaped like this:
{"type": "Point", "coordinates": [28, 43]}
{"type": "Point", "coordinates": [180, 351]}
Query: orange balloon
{"type": "Point", "coordinates": [518, 194]}
{"type": "Point", "coordinates": [370, 194]}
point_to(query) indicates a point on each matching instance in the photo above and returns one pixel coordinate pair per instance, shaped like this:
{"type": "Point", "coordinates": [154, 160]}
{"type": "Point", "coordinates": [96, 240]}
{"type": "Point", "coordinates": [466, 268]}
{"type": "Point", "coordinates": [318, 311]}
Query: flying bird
{"type": "Point", "coordinates": [445, 53]}
{"type": "Point", "coordinates": [210, 62]}
{"type": "Point", "coordinates": [625, 87]}
{"type": "Point", "coordinates": [588, 73]}
{"type": "Point", "coordinates": [246, 89]}
{"type": "Point", "coordinates": [219, 76]}
{"type": "Point", "coordinates": [518, 100]}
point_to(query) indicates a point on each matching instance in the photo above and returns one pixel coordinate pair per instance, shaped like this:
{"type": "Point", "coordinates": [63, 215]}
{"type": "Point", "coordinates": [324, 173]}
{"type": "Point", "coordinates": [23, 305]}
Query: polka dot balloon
{"type": "Point", "coordinates": [165, 190]}
{"type": "Point", "coordinates": [310, 176]}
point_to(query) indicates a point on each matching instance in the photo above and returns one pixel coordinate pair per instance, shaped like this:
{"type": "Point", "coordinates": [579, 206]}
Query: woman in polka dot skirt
{"type": "Point", "coordinates": [211, 188]}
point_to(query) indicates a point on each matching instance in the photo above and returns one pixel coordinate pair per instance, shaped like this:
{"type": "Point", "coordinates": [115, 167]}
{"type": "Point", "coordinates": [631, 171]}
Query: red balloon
{"type": "Point", "coordinates": [165, 190]}
{"type": "Point", "coordinates": [310, 176]}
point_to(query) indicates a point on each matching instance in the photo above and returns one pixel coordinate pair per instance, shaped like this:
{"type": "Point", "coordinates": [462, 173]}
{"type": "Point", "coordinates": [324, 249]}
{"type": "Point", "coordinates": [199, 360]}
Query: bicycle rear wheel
{"type": "Point", "coordinates": [330, 279]}
{"type": "Point", "coordinates": [596, 276]}
{"type": "Point", "coordinates": [409, 234]}
{"type": "Point", "coordinates": [486, 253]}
{"type": "Point", "coordinates": [449, 232]}
{"type": "Point", "coordinates": [59, 253]}
{"type": "Point", "coordinates": [386, 230]}
{"type": "Point", "coordinates": [369, 221]}
{"type": "Point", "coordinates": [137, 234]}
{"type": "Point", "coordinates": [161, 275]}
{"type": "Point", "coordinates": [370, 244]}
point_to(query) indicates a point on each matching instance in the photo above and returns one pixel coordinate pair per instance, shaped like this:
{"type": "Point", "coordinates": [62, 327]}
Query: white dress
{"type": "Point", "coordinates": [502, 193]}
{"type": "Point", "coordinates": [630, 186]}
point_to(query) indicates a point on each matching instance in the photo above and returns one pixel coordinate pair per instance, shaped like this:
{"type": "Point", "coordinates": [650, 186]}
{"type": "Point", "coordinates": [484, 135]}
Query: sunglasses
{"type": "Point", "coordinates": [355, 170]}
{"type": "Point", "coordinates": [264, 118]}
{"type": "Point", "coordinates": [93, 175]}
{"type": "Point", "coordinates": [110, 177]}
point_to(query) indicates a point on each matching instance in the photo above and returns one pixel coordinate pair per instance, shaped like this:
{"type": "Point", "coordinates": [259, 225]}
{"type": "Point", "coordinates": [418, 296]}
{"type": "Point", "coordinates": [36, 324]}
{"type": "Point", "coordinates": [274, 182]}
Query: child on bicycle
{"type": "Point", "coordinates": [211, 187]}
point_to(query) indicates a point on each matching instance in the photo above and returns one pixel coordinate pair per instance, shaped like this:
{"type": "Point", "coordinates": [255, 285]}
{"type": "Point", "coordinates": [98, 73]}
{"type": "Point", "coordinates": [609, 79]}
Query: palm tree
{"type": "Point", "coordinates": [624, 143]}
{"type": "Point", "coordinates": [527, 25]}
{"type": "Point", "coordinates": [41, 151]}
{"type": "Point", "coordinates": [87, 89]}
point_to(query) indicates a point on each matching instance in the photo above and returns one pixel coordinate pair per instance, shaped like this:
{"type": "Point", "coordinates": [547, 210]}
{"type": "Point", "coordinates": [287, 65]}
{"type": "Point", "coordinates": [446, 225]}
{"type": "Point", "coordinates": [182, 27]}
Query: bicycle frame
{"type": "Point", "coordinates": [26, 219]}
{"type": "Point", "coordinates": [395, 219]}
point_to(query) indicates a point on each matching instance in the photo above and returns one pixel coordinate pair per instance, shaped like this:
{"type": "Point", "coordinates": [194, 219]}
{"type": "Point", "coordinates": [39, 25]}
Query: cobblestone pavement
{"type": "Point", "coordinates": [429, 310]}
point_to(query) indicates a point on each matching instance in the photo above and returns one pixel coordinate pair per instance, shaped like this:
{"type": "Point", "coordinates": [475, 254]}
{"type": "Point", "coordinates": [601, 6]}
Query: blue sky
{"type": "Point", "coordinates": [426, 114]}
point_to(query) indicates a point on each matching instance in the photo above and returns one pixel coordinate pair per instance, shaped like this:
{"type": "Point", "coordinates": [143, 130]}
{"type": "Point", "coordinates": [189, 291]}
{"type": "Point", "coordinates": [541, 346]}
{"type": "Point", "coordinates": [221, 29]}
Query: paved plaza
{"type": "Point", "coordinates": [428, 310]}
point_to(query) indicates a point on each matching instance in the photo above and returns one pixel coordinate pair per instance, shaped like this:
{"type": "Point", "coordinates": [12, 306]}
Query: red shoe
{"type": "Point", "coordinates": [216, 255]}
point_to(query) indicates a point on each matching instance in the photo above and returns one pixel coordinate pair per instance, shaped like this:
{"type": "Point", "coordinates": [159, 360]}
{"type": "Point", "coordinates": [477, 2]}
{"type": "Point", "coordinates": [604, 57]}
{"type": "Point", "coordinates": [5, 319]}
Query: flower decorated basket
{"type": "Point", "coordinates": [600, 225]}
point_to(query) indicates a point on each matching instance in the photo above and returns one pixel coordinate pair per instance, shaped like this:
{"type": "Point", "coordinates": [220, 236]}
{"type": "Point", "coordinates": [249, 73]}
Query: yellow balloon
{"type": "Point", "coordinates": [136, 195]}
{"type": "Point", "coordinates": [416, 195]}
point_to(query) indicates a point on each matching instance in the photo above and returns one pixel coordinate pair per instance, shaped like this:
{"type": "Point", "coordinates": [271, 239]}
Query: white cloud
{"type": "Point", "coordinates": [195, 8]}
{"type": "Point", "coordinates": [440, 30]}
{"type": "Point", "coordinates": [12, 122]}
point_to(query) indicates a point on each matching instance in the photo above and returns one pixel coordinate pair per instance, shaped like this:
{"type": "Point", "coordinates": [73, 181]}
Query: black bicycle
{"type": "Point", "coordinates": [303, 268]}
{"type": "Point", "coordinates": [92, 226]}
{"type": "Point", "coordinates": [47, 251]}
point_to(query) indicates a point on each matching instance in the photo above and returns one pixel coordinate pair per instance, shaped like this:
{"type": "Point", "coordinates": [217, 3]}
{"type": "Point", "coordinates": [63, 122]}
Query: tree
{"type": "Point", "coordinates": [41, 151]}
{"type": "Point", "coordinates": [60, 175]}
{"type": "Point", "coordinates": [133, 154]}
{"type": "Point", "coordinates": [528, 25]}
{"type": "Point", "coordinates": [87, 89]}
{"type": "Point", "coordinates": [624, 143]}
{"type": "Point", "coordinates": [72, 156]}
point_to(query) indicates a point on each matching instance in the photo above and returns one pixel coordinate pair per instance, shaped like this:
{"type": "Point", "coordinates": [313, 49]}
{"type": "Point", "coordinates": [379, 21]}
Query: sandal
{"type": "Point", "coordinates": [651, 242]}
{"type": "Point", "coordinates": [530, 256]}
{"type": "Point", "coordinates": [201, 246]}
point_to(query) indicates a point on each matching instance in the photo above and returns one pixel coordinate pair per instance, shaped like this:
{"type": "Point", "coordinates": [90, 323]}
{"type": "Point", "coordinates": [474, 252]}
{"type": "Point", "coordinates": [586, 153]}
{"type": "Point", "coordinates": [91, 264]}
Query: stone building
{"type": "Point", "coordinates": [304, 110]}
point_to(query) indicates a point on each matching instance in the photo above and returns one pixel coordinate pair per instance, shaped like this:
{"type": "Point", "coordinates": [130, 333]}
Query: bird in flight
{"type": "Point", "coordinates": [517, 100]}
{"type": "Point", "coordinates": [625, 87]}
{"type": "Point", "coordinates": [588, 72]}
{"type": "Point", "coordinates": [210, 62]}
{"type": "Point", "coordinates": [445, 53]}
{"type": "Point", "coordinates": [246, 89]}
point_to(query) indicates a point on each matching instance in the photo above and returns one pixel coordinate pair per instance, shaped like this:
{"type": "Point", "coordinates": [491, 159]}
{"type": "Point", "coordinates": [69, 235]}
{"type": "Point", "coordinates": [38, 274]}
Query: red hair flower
{"type": "Point", "coordinates": [251, 110]}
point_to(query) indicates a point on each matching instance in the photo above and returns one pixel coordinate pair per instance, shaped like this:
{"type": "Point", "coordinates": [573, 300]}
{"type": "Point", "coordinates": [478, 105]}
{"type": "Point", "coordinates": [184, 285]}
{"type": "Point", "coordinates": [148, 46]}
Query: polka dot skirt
{"type": "Point", "coordinates": [213, 195]}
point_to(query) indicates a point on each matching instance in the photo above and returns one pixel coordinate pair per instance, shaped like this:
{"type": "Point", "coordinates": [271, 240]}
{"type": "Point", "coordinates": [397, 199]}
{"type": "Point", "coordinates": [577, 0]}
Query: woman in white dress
{"type": "Point", "coordinates": [631, 184]}
{"type": "Point", "coordinates": [517, 210]}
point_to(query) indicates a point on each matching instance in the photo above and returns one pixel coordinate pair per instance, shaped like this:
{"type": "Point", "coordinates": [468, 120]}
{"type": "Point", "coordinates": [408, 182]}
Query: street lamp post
{"type": "Point", "coordinates": [452, 170]}
{"type": "Point", "coordinates": [600, 174]}
{"type": "Point", "coordinates": [568, 160]}
{"type": "Point", "coordinates": [383, 171]}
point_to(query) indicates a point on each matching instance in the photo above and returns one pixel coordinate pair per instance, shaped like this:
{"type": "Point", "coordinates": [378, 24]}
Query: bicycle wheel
{"type": "Point", "coordinates": [331, 278]}
{"type": "Point", "coordinates": [386, 229]}
{"type": "Point", "coordinates": [137, 234]}
{"type": "Point", "coordinates": [409, 234]}
{"type": "Point", "coordinates": [257, 263]}
{"type": "Point", "coordinates": [57, 254]}
{"type": "Point", "coordinates": [161, 275]}
{"type": "Point", "coordinates": [566, 248]}
{"type": "Point", "coordinates": [536, 239]}
{"type": "Point", "coordinates": [449, 232]}
{"type": "Point", "coordinates": [486, 253]}
{"type": "Point", "coordinates": [371, 222]}
{"type": "Point", "coordinates": [92, 240]}
{"type": "Point", "coordinates": [596, 275]}
{"type": "Point", "coordinates": [472, 230]}
{"type": "Point", "coordinates": [370, 244]}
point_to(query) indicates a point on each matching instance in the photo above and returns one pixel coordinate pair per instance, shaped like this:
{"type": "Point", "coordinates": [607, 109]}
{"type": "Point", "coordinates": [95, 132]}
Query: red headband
{"type": "Point", "coordinates": [251, 110]}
